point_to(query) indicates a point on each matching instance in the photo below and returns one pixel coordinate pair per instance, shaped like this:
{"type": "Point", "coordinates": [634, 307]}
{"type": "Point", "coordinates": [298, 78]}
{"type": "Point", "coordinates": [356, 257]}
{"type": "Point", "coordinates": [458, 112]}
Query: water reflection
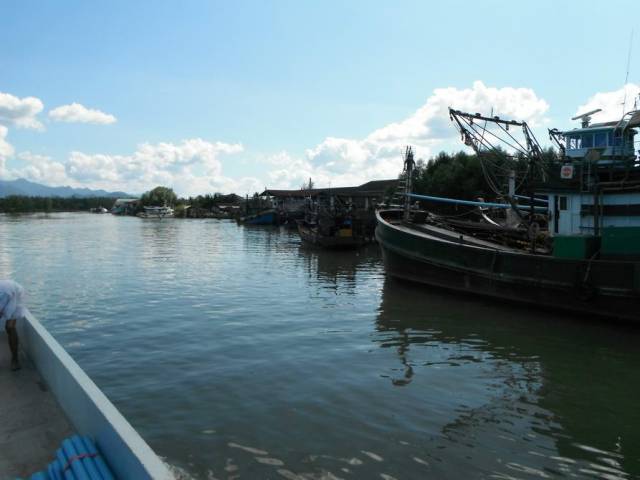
{"type": "Point", "coordinates": [237, 351]}
{"type": "Point", "coordinates": [338, 268]}
{"type": "Point", "coordinates": [560, 385]}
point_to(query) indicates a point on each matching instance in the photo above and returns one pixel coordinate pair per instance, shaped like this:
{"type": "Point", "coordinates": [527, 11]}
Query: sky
{"type": "Point", "coordinates": [219, 96]}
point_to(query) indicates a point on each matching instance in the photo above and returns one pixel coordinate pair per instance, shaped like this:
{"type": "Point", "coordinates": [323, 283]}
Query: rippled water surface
{"type": "Point", "coordinates": [238, 353]}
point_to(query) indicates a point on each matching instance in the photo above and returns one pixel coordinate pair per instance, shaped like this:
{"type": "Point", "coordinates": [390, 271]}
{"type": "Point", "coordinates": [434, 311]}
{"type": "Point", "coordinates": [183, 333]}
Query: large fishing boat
{"type": "Point", "coordinates": [574, 245]}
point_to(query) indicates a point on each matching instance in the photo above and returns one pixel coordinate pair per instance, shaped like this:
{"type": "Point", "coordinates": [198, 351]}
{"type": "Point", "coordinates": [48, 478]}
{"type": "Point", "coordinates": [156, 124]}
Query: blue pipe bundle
{"type": "Point", "coordinates": [76, 459]}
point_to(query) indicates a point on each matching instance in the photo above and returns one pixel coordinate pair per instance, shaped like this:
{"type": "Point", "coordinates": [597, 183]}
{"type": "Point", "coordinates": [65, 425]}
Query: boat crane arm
{"type": "Point", "coordinates": [556, 136]}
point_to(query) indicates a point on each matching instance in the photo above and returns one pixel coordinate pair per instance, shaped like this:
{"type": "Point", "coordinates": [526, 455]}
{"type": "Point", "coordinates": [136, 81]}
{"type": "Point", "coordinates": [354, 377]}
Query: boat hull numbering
{"type": "Point", "coordinates": [604, 288]}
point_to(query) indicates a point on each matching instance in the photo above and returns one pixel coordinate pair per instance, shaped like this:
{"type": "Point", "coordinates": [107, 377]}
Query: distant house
{"type": "Point", "coordinates": [226, 207]}
{"type": "Point", "coordinates": [363, 197]}
{"type": "Point", "coordinates": [125, 206]}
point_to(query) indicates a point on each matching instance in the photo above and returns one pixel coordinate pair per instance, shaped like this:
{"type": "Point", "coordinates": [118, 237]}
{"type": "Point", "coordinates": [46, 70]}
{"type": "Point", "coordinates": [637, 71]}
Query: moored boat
{"type": "Point", "coordinates": [264, 217]}
{"type": "Point", "coordinates": [340, 236]}
{"type": "Point", "coordinates": [156, 212]}
{"type": "Point", "coordinates": [578, 249]}
{"type": "Point", "coordinates": [430, 255]}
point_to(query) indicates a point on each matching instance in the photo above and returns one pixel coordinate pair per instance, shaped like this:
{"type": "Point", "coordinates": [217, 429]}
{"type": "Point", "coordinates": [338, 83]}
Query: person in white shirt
{"type": "Point", "coordinates": [11, 310]}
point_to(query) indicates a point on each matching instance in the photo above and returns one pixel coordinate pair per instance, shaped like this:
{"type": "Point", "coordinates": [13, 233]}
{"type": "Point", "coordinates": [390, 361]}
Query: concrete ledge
{"type": "Point", "coordinates": [88, 409]}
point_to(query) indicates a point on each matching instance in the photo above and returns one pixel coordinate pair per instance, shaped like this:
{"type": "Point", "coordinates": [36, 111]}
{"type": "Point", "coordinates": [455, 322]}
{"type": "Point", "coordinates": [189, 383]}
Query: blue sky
{"type": "Point", "coordinates": [241, 95]}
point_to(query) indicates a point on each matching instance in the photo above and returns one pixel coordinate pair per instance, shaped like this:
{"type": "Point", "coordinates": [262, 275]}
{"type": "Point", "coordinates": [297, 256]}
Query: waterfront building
{"type": "Point", "coordinates": [125, 206]}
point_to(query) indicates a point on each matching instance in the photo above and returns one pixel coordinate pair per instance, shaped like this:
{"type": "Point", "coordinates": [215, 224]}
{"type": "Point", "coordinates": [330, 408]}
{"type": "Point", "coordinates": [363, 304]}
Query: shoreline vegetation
{"type": "Point", "coordinates": [17, 204]}
{"type": "Point", "coordinates": [457, 175]}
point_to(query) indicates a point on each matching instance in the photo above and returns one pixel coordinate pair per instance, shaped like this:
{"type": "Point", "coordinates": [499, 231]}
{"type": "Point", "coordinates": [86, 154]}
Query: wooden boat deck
{"type": "Point", "coordinates": [431, 231]}
{"type": "Point", "coordinates": [32, 424]}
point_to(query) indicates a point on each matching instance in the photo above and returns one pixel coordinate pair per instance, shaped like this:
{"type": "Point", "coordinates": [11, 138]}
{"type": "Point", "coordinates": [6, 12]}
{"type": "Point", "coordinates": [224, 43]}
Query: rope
{"type": "Point", "coordinates": [75, 458]}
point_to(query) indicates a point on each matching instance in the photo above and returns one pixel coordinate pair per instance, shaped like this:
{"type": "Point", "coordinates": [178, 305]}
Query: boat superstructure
{"type": "Point", "coordinates": [156, 212]}
{"type": "Point", "coordinates": [596, 185]}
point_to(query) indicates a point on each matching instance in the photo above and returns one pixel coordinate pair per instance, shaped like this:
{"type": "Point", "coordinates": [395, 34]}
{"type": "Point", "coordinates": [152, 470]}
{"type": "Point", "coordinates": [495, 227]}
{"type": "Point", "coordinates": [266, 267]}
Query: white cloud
{"type": "Point", "coordinates": [193, 166]}
{"type": "Point", "coordinates": [42, 169]}
{"type": "Point", "coordinates": [20, 112]}
{"type": "Point", "coordinates": [190, 168]}
{"type": "Point", "coordinates": [6, 150]}
{"type": "Point", "coordinates": [344, 161]}
{"type": "Point", "coordinates": [77, 113]}
{"type": "Point", "coordinates": [611, 103]}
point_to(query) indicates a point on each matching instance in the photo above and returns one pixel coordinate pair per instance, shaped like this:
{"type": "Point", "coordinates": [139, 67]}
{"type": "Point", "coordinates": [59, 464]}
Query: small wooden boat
{"type": "Point", "coordinates": [341, 236]}
{"type": "Point", "coordinates": [264, 217]}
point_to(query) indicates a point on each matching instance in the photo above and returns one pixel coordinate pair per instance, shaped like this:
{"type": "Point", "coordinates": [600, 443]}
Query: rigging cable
{"type": "Point", "coordinates": [626, 78]}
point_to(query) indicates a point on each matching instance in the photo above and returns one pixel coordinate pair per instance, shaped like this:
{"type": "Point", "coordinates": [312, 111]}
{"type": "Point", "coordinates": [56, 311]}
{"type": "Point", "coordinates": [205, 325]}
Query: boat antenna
{"type": "Point", "coordinates": [626, 78]}
{"type": "Point", "coordinates": [585, 118]}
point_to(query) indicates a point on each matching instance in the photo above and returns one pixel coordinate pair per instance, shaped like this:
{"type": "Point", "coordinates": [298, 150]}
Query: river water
{"type": "Point", "coordinates": [237, 352]}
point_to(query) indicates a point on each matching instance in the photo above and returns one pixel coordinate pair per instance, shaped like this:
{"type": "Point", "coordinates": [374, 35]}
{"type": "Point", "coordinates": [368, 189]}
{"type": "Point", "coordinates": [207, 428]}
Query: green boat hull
{"type": "Point", "coordinates": [593, 287]}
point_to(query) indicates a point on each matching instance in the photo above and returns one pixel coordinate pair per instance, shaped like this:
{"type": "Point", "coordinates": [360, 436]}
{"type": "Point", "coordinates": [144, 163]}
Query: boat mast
{"type": "Point", "coordinates": [409, 166]}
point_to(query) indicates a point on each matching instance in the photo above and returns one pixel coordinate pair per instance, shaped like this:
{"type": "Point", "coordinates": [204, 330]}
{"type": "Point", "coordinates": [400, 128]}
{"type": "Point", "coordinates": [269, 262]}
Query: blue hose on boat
{"type": "Point", "coordinates": [87, 462]}
{"type": "Point", "coordinates": [74, 459]}
{"type": "Point", "coordinates": [77, 459]}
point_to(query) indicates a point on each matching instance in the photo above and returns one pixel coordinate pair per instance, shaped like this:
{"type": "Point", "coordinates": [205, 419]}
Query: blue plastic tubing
{"type": "Point", "coordinates": [80, 458]}
{"type": "Point", "coordinates": [87, 462]}
{"type": "Point", "coordinates": [68, 474]}
{"type": "Point", "coordinates": [468, 202]}
{"type": "Point", "coordinates": [54, 470]}
{"type": "Point", "coordinates": [76, 465]}
{"type": "Point", "coordinates": [99, 462]}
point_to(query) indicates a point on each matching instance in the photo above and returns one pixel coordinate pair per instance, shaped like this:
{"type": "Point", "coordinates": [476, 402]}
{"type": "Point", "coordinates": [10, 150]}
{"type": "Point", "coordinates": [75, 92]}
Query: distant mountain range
{"type": "Point", "coordinates": [32, 189]}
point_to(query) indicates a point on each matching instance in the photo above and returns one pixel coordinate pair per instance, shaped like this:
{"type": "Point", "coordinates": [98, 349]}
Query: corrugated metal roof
{"type": "Point", "coordinates": [374, 187]}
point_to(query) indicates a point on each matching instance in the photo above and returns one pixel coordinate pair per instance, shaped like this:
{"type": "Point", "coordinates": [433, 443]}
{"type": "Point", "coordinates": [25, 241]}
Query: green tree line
{"type": "Point", "coordinates": [26, 204]}
{"type": "Point", "coordinates": [161, 196]}
{"type": "Point", "coordinates": [158, 196]}
{"type": "Point", "coordinates": [209, 201]}
{"type": "Point", "coordinates": [461, 175]}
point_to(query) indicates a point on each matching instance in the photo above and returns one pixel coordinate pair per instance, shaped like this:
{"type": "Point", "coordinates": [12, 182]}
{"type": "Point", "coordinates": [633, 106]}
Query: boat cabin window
{"type": "Point", "coordinates": [600, 139]}
{"type": "Point", "coordinates": [563, 203]}
{"type": "Point", "coordinates": [575, 143]}
{"type": "Point", "coordinates": [617, 138]}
